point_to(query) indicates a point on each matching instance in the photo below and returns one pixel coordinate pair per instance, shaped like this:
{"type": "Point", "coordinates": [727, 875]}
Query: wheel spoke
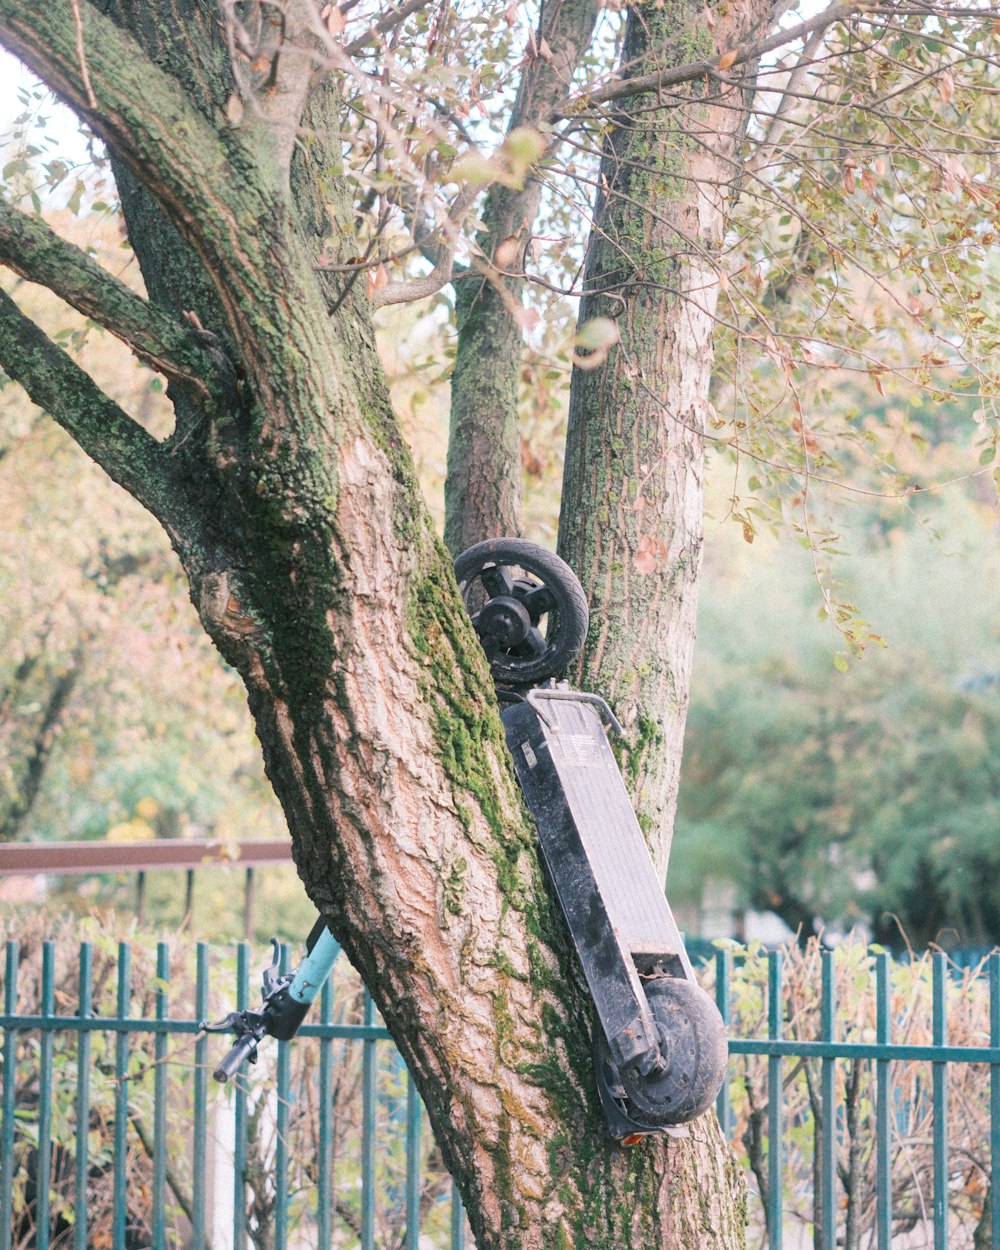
{"type": "Point", "coordinates": [491, 647]}
{"type": "Point", "coordinates": [538, 602]}
{"type": "Point", "coordinates": [496, 580]}
{"type": "Point", "coordinates": [533, 646]}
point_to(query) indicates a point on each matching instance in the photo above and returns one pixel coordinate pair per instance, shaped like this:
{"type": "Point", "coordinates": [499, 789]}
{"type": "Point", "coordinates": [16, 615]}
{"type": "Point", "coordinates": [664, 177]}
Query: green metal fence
{"type": "Point", "coordinates": [899, 1094]}
{"type": "Point", "coordinates": [153, 1070]}
{"type": "Point", "coordinates": [113, 1136]}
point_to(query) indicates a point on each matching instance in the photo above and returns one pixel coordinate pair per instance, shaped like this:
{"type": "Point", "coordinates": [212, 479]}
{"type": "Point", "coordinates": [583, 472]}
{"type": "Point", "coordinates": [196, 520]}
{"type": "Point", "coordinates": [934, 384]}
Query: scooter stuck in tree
{"type": "Point", "coordinates": [659, 1041]}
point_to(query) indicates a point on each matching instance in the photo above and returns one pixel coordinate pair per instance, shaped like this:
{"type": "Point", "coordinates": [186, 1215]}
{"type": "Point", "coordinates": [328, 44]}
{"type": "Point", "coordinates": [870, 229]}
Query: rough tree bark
{"type": "Point", "coordinates": [482, 489]}
{"type": "Point", "coordinates": [632, 509]}
{"type": "Point", "coordinates": [287, 492]}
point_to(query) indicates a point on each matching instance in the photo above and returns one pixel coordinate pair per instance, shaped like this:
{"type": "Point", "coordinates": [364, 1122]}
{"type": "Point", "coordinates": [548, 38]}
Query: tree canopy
{"type": "Point", "coordinates": [775, 206]}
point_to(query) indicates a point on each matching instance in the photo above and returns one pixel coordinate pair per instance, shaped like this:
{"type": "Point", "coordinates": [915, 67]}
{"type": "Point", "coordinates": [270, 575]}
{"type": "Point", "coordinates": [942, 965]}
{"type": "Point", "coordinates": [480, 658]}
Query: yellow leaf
{"type": "Point", "coordinates": [526, 318]}
{"type": "Point", "coordinates": [507, 252]}
{"type": "Point", "coordinates": [597, 337]}
{"type": "Point", "coordinates": [474, 168]}
{"type": "Point", "coordinates": [378, 279]}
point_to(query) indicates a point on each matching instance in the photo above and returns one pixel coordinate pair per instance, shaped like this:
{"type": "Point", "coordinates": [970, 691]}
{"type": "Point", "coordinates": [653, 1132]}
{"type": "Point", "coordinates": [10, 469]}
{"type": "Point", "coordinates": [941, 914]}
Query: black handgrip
{"type": "Point", "coordinates": [244, 1050]}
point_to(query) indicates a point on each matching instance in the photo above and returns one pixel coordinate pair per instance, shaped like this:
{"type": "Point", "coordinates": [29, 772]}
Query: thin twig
{"type": "Point", "coordinates": [84, 72]}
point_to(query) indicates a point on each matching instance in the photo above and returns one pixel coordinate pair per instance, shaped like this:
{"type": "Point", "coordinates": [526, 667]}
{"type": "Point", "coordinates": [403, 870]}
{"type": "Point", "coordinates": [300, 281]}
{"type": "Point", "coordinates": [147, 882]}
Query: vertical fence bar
{"type": "Point", "coordinates": [248, 904]}
{"type": "Point", "coordinates": [368, 1074]}
{"type": "Point", "coordinates": [994, 1194]}
{"type": "Point", "coordinates": [120, 1147]}
{"type": "Point", "coordinates": [46, 1045]}
{"type": "Point", "coordinates": [240, 1113]}
{"type": "Point", "coordinates": [9, 1097]}
{"type": "Point", "coordinates": [723, 1000]}
{"type": "Point", "coordinates": [939, 1079]}
{"type": "Point", "coordinates": [828, 1105]}
{"type": "Point", "coordinates": [883, 1168]}
{"type": "Point", "coordinates": [283, 1097]}
{"type": "Point", "coordinates": [160, 1101]}
{"type": "Point", "coordinates": [84, 1010]}
{"type": "Point", "coordinates": [457, 1220]}
{"type": "Point", "coordinates": [324, 1161]}
{"type": "Point", "coordinates": [775, 1094]}
{"type": "Point", "coordinates": [199, 1151]}
{"type": "Point", "coordinates": [412, 1166]}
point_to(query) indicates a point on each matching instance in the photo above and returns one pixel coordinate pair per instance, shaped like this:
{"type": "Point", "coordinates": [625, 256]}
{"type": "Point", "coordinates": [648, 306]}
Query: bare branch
{"type": "Point", "coordinates": [777, 125]}
{"type": "Point", "coordinates": [35, 252]}
{"type": "Point", "coordinates": [54, 381]}
{"type": "Point", "coordinates": [443, 258]}
{"type": "Point", "coordinates": [659, 79]}
{"type": "Point", "coordinates": [147, 120]}
{"type": "Point", "coordinates": [382, 27]}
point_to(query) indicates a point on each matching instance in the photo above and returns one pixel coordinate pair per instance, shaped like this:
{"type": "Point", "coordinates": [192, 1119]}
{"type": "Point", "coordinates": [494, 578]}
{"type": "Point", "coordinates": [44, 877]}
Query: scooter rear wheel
{"type": "Point", "coordinates": [693, 1039]}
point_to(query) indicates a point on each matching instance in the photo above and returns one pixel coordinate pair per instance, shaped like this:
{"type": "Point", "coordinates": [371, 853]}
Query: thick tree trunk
{"type": "Point", "coordinates": [288, 493]}
{"type": "Point", "coordinates": [632, 513]}
{"type": "Point", "coordinates": [631, 520]}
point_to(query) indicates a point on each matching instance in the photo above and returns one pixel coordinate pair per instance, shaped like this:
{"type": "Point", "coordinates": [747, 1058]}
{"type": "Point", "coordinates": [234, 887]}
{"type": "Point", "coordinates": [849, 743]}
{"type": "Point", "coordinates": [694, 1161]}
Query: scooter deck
{"type": "Point", "coordinates": [601, 869]}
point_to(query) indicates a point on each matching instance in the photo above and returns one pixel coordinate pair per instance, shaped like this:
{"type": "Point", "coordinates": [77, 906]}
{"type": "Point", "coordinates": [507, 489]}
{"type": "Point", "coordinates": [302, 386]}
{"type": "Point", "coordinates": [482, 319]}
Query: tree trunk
{"type": "Point", "coordinates": [288, 493]}
{"type": "Point", "coordinates": [483, 486]}
{"type": "Point", "coordinates": [632, 513]}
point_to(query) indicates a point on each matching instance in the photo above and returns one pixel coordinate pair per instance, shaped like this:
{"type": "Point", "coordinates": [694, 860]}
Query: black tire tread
{"type": "Point", "coordinates": [572, 609]}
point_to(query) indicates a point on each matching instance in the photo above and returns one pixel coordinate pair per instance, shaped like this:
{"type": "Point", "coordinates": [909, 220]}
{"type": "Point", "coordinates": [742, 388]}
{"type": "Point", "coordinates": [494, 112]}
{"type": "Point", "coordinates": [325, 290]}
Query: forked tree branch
{"type": "Point", "coordinates": [54, 381]}
{"type": "Point", "coordinates": [656, 80]}
{"type": "Point", "coordinates": [34, 251]}
{"type": "Point", "coordinates": [375, 33]}
{"type": "Point", "coordinates": [442, 255]}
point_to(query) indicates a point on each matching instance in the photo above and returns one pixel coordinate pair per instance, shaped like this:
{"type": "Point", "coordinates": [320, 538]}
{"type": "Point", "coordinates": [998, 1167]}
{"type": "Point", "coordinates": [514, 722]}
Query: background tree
{"type": "Point", "coordinates": [278, 172]}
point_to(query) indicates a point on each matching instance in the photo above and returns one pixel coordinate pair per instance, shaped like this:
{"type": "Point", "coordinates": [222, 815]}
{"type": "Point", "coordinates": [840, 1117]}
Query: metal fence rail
{"type": "Point", "coordinates": [112, 1134]}
{"type": "Point", "coordinates": [876, 1050]}
{"type": "Point", "coordinates": [149, 1086]}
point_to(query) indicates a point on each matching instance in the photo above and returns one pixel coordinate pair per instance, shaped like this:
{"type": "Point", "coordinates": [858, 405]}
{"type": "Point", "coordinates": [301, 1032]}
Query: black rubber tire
{"type": "Point", "coordinates": [566, 633]}
{"type": "Point", "coordinates": [697, 1054]}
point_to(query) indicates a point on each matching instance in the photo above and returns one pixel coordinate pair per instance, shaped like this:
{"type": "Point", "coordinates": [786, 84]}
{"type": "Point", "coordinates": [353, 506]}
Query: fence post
{"type": "Point", "coordinates": [883, 1173]}
{"type": "Point", "coordinates": [47, 1044]}
{"type": "Point", "coordinates": [368, 1131]}
{"type": "Point", "coordinates": [120, 1149]}
{"type": "Point", "coordinates": [723, 993]}
{"type": "Point", "coordinates": [939, 1083]}
{"type": "Point", "coordinates": [160, 1102]}
{"type": "Point", "coordinates": [994, 1192]}
{"type": "Point", "coordinates": [9, 1092]}
{"type": "Point", "coordinates": [775, 1094]}
{"type": "Point", "coordinates": [84, 1008]}
{"type": "Point", "coordinates": [198, 1147]}
{"type": "Point", "coordinates": [828, 1108]}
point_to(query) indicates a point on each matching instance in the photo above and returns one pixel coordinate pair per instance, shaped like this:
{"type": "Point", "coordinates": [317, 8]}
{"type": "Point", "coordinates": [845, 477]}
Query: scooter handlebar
{"type": "Point", "coordinates": [245, 1050]}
